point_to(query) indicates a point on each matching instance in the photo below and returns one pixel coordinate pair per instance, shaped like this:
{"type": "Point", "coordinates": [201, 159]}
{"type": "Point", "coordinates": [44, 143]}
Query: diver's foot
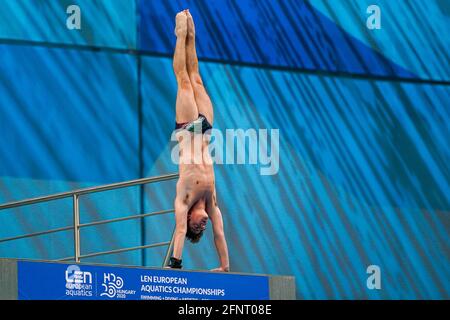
{"type": "Point", "coordinates": [181, 24]}
{"type": "Point", "coordinates": [190, 25]}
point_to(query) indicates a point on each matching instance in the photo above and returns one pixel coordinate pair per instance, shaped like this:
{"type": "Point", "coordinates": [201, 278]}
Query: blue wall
{"type": "Point", "coordinates": [105, 23]}
{"type": "Point", "coordinates": [363, 118]}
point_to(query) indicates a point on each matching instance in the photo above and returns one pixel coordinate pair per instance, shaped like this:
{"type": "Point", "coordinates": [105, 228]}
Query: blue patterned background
{"type": "Point", "coordinates": [363, 115]}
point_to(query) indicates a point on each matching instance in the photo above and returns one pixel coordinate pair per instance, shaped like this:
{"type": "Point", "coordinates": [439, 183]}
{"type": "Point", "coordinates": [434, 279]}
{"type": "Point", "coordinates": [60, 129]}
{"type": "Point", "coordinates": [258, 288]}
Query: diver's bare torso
{"type": "Point", "coordinates": [196, 184]}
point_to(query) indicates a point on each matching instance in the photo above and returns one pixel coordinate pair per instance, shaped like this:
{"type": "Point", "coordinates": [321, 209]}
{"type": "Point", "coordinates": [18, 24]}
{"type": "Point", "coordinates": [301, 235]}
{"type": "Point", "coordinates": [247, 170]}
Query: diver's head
{"type": "Point", "coordinates": [196, 224]}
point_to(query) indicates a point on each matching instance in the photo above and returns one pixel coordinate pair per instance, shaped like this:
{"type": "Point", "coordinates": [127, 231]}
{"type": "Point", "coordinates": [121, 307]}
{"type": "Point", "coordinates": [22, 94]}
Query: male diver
{"type": "Point", "coordinates": [195, 201]}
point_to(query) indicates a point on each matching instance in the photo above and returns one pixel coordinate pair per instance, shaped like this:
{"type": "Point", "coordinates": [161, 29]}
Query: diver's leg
{"type": "Point", "coordinates": [186, 108]}
{"type": "Point", "coordinates": [202, 99]}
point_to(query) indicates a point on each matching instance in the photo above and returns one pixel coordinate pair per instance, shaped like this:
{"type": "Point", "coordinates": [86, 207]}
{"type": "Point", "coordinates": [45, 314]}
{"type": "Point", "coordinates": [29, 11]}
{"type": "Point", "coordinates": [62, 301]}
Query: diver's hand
{"type": "Point", "coordinates": [221, 269]}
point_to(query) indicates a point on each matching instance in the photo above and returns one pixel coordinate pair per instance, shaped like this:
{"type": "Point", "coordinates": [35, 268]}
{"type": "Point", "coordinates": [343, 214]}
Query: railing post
{"type": "Point", "coordinates": [76, 227]}
{"type": "Point", "coordinates": [169, 250]}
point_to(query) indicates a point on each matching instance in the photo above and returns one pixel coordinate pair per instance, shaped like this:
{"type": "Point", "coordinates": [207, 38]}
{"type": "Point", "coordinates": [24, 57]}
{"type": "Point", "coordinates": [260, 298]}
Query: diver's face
{"type": "Point", "coordinates": [198, 220]}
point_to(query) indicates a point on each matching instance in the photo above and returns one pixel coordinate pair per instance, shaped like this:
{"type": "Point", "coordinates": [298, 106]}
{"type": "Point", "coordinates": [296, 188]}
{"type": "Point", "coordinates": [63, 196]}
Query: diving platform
{"type": "Point", "coordinates": [49, 280]}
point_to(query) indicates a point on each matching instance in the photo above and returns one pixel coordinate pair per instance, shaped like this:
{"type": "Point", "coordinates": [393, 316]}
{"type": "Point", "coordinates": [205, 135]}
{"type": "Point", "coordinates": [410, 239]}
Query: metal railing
{"type": "Point", "coordinates": [75, 195]}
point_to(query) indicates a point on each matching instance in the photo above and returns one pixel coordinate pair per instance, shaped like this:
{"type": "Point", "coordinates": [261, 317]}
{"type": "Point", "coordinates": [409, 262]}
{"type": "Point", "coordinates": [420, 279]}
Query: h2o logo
{"type": "Point", "coordinates": [111, 284]}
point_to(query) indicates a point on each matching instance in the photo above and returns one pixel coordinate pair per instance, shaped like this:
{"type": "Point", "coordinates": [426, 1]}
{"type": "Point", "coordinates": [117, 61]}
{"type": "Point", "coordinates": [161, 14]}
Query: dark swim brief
{"type": "Point", "coordinates": [201, 124]}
